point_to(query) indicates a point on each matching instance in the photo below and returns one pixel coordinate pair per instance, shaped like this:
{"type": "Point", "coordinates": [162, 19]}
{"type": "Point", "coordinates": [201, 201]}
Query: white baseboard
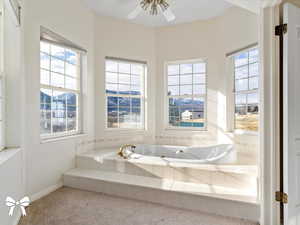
{"type": "Point", "coordinates": [46, 191]}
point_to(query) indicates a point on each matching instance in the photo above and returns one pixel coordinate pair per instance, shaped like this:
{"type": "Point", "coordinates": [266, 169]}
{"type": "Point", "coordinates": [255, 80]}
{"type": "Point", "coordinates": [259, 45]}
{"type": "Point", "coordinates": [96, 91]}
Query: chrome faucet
{"type": "Point", "coordinates": [123, 147]}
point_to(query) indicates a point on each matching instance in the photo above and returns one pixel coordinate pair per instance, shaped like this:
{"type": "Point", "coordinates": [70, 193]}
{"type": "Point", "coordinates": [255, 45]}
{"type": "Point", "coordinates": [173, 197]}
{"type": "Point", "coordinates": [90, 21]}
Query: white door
{"type": "Point", "coordinates": [292, 114]}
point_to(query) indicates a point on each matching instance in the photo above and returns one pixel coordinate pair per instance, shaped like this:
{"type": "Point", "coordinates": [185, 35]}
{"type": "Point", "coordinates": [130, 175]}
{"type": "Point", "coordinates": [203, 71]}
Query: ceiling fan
{"type": "Point", "coordinates": [154, 7]}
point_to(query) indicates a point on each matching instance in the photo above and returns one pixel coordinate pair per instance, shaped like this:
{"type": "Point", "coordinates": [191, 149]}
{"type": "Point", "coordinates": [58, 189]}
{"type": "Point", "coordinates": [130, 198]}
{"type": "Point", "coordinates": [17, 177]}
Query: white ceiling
{"type": "Point", "coordinates": [185, 10]}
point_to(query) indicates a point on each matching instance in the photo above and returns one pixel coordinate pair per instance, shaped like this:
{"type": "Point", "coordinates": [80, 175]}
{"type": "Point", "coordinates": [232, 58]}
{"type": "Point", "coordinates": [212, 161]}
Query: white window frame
{"type": "Point", "coordinates": [232, 64]}
{"type": "Point", "coordinates": [79, 93]}
{"type": "Point", "coordinates": [166, 102]}
{"type": "Point", "coordinates": [142, 96]}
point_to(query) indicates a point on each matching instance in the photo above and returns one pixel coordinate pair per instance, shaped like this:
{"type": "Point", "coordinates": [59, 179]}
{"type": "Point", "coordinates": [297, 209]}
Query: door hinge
{"type": "Point", "coordinates": [281, 197]}
{"type": "Point", "coordinates": [281, 29]}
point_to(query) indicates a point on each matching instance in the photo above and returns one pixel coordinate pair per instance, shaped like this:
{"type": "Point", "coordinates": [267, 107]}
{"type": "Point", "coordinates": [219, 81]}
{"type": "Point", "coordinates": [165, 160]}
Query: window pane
{"type": "Point", "coordinates": [135, 90]}
{"type": "Point", "coordinates": [125, 120]}
{"type": "Point", "coordinates": [186, 90]}
{"type": "Point", "coordinates": [71, 57]}
{"type": "Point", "coordinates": [71, 111]}
{"type": "Point", "coordinates": [124, 102]}
{"type": "Point", "coordinates": [58, 52]}
{"type": "Point", "coordinates": [199, 90]}
{"type": "Point", "coordinates": [57, 65]}
{"type": "Point", "coordinates": [137, 69]}
{"type": "Point", "coordinates": [174, 111]}
{"type": "Point", "coordinates": [45, 47]}
{"type": "Point", "coordinates": [174, 102]}
{"type": "Point", "coordinates": [136, 102]}
{"type": "Point", "coordinates": [124, 89]}
{"type": "Point", "coordinates": [186, 68]}
{"type": "Point", "coordinates": [136, 117]}
{"type": "Point", "coordinates": [253, 69]}
{"type": "Point", "coordinates": [253, 56]}
{"type": "Point", "coordinates": [57, 80]}
{"type": "Point", "coordinates": [72, 83]}
{"type": "Point", "coordinates": [241, 59]}
{"type": "Point", "coordinates": [71, 70]}
{"type": "Point", "coordinates": [112, 111]}
{"type": "Point", "coordinates": [247, 118]}
{"type": "Point", "coordinates": [58, 111]}
{"type": "Point", "coordinates": [173, 90]}
{"type": "Point", "coordinates": [173, 70]}
{"type": "Point", "coordinates": [253, 98]}
{"type": "Point", "coordinates": [124, 68]}
{"type": "Point", "coordinates": [112, 121]}
{"type": "Point", "coordinates": [199, 68]}
{"type": "Point", "coordinates": [241, 72]}
{"type": "Point", "coordinates": [174, 121]}
{"type": "Point", "coordinates": [241, 85]}
{"type": "Point", "coordinates": [135, 80]}
{"type": "Point", "coordinates": [253, 83]}
{"type": "Point", "coordinates": [240, 99]}
{"type": "Point", "coordinates": [45, 61]}
{"type": "Point", "coordinates": [124, 79]}
{"type": "Point", "coordinates": [111, 77]}
{"type": "Point", "coordinates": [186, 79]}
{"type": "Point", "coordinates": [112, 88]}
{"type": "Point", "coordinates": [45, 77]}
{"type": "Point", "coordinates": [112, 102]}
{"type": "Point", "coordinates": [111, 66]}
{"type": "Point", "coordinates": [45, 116]}
{"type": "Point", "coordinates": [173, 80]}
{"type": "Point", "coordinates": [199, 79]}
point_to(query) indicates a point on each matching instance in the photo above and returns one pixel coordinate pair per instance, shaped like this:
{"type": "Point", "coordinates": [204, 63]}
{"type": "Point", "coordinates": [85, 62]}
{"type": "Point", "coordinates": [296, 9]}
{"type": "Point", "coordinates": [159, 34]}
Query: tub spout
{"type": "Point", "coordinates": [121, 152]}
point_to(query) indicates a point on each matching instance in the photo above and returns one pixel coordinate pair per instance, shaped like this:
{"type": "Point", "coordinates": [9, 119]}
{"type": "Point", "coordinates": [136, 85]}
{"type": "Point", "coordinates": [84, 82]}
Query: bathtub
{"type": "Point", "coordinates": [217, 154]}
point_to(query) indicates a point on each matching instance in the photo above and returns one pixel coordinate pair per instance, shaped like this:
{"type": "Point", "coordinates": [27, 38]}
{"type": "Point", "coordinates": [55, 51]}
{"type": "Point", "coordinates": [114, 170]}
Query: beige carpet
{"type": "Point", "coordinates": [68, 206]}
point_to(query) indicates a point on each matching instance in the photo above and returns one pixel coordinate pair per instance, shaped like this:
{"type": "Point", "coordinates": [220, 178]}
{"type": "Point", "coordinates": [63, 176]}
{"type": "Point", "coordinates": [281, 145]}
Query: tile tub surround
{"type": "Point", "coordinates": [196, 197]}
{"type": "Point", "coordinates": [241, 178]}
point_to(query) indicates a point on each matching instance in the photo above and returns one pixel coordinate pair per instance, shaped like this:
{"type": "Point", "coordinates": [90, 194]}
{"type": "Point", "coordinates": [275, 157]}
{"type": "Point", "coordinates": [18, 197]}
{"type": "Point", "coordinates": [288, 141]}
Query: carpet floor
{"type": "Point", "coordinates": [68, 206]}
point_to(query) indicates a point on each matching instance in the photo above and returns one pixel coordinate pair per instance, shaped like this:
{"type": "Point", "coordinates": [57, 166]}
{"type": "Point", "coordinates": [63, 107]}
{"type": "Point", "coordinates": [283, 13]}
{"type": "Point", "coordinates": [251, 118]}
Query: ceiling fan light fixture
{"type": "Point", "coordinates": [154, 6]}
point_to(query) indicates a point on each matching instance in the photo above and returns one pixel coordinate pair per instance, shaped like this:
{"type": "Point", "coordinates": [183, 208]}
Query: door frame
{"type": "Point", "coordinates": [270, 113]}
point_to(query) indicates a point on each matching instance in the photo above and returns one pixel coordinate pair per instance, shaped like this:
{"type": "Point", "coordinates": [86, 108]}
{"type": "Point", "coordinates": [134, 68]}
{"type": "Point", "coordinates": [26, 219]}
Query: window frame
{"type": "Point", "coordinates": [257, 90]}
{"type": "Point", "coordinates": [142, 96]}
{"type": "Point", "coordinates": [79, 93]}
{"type": "Point", "coordinates": [167, 97]}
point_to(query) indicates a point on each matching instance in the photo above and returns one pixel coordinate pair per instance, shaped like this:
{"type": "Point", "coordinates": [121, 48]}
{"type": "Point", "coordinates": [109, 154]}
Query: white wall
{"type": "Point", "coordinates": [11, 161]}
{"type": "Point", "coordinates": [211, 40]}
{"type": "Point", "coordinates": [46, 162]}
{"type": "Point", "coordinates": [116, 38]}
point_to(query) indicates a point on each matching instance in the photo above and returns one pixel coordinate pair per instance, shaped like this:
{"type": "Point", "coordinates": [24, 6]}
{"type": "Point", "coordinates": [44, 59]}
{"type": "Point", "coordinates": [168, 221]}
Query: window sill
{"type": "Point", "coordinates": [45, 140]}
{"type": "Point", "coordinates": [7, 154]}
{"type": "Point", "coordinates": [185, 129]}
{"type": "Point", "coordinates": [245, 132]}
{"type": "Point", "coordinates": [125, 130]}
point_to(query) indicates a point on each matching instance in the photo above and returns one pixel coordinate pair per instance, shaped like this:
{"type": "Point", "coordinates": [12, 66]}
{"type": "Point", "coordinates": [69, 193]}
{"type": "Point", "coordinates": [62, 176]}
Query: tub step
{"type": "Point", "coordinates": [230, 176]}
{"type": "Point", "coordinates": [205, 198]}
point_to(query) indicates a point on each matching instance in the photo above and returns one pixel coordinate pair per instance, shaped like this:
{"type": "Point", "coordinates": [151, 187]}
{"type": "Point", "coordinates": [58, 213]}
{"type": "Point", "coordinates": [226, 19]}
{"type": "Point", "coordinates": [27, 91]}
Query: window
{"type": "Point", "coordinates": [60, 92]}
{"type": "Point", "coordinates": [125, 94]}
{"type": "Point", "coordinates": [246, 76]}
{"type": "Point", "coordinates": [186, 94]}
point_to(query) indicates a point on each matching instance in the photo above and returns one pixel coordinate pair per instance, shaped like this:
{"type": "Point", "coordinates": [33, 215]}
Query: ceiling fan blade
{"type": "Point", "coordinates": [135, 13]}
{"type": "Point", "coordinates": [169, 15]}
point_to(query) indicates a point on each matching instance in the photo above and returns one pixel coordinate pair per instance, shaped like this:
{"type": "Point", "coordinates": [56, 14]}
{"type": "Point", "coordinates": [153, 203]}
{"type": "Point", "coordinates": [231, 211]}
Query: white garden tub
{"type": "Point", "coordinates": [217, 154]}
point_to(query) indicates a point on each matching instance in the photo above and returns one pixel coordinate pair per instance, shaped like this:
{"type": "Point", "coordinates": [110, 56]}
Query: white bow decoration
{"type": "Point", "coordinates": [10, 202]}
